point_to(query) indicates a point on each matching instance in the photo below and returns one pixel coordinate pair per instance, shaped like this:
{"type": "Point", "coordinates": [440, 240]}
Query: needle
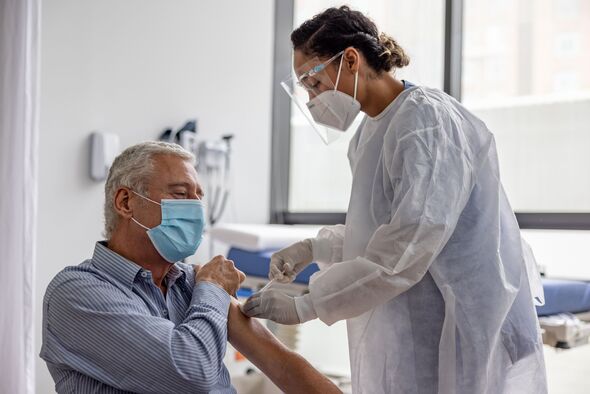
{"type": "Point", "coordinates": [266, 286]}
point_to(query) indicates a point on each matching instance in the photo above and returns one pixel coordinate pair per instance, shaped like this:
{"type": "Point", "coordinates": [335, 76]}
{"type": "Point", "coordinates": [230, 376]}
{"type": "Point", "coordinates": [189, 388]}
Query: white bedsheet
{"type": "Point", "coordinates": [257, 237]}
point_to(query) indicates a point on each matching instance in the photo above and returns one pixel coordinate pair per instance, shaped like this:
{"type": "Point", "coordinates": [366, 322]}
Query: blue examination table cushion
{"type": "Point", "coordinates": [257, 263]}
{"type": "Point", "coordinates": [564, 296]}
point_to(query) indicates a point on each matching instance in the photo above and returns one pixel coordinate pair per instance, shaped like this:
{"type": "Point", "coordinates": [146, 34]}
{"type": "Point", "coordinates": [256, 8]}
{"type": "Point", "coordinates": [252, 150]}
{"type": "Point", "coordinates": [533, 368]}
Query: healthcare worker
{"type": "Point", "coordinates": [429, 270]}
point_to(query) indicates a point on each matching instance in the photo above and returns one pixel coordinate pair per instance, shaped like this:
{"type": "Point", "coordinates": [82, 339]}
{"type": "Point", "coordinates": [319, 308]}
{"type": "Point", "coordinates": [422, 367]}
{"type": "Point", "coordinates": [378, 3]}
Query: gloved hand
{"type": "Point", "coordinates": [288, 262]}
{"type": "Point", "coordinates": [279, 307]}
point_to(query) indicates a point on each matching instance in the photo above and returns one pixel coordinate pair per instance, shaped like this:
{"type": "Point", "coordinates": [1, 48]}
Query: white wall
{"type": "Point", "coordinates": [133, 68]}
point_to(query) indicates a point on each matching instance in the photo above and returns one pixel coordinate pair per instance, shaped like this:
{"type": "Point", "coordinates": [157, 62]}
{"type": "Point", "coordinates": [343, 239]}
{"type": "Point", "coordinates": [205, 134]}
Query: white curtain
{"type": "Point", "coordinates": [19, 60]}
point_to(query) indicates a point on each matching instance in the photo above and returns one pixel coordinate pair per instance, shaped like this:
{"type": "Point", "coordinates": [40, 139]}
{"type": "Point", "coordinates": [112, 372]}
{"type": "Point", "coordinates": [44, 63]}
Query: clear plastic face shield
{"type": "Point", "coordinates": [329, 111]}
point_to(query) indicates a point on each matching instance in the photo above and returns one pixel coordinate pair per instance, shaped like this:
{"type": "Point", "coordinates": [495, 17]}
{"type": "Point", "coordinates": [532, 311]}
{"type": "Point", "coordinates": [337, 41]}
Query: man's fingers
{"type": "Point", "coordinates": [241, 275]}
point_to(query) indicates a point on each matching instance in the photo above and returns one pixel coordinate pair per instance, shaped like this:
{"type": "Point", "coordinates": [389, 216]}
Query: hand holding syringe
{"type": "Point", "coordinates": [266, 286]}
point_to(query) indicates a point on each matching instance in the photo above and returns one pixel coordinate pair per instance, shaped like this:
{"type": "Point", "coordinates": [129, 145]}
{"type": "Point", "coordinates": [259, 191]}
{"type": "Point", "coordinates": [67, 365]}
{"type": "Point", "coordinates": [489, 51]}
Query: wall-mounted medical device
{"type": "Point", "coordinates": [104, 147]}
{"type": "Point", "coordinates": [213, 164]}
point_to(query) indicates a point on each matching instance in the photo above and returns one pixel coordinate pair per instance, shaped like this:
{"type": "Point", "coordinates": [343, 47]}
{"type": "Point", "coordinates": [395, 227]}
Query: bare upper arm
{"type": "Point", "coordinates": [287, 369]}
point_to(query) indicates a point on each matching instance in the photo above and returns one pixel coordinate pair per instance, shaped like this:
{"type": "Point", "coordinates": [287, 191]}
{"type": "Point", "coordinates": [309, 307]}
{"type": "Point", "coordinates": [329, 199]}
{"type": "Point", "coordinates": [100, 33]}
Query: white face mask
{"type": "Point", "coordinates": [334, 108]}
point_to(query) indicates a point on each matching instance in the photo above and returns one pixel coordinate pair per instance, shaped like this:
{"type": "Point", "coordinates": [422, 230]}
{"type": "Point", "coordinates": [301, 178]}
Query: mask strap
{"type": "Point", "coordinates": [339, 69]}
{"type": "Point", "coordinates": [144, 197]}
{"type": "Point", "coordinates": [356, 79]}
{"type": "Point", "coordinates": [139, 224]}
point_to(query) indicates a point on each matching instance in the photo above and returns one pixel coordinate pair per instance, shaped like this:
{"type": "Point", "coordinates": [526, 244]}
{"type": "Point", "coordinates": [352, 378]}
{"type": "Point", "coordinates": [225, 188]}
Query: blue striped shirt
{"type": "Point", "coordinates": [107, 328]}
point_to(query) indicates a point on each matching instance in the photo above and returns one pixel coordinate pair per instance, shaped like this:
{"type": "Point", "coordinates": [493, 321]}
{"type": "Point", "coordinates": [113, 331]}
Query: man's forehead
{"type": "Point", "coordinates": [166, 162]}
{"type": "Point", "coordinates": [174, 170]}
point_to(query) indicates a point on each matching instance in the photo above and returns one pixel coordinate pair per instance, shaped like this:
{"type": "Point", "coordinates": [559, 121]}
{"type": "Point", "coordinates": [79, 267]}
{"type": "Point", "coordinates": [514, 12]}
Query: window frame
{"type": "Point", "coordinates": [281, 126]}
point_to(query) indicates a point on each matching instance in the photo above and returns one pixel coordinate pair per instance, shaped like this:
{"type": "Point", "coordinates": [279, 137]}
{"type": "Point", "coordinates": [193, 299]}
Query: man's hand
{"type": "Point", "coordinates": [221, 272]}
{"type": "Point", "coordinates": [273, 305]}
{"type": "Point", "coordinates": [288, 262]}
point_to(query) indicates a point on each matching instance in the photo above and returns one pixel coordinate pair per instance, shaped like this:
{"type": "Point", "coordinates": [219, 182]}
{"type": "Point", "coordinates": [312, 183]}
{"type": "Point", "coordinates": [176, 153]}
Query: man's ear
{"type": "Point", "coordinates": [122, 202]}
{"type": "Point", "coordinates": [351, 59]}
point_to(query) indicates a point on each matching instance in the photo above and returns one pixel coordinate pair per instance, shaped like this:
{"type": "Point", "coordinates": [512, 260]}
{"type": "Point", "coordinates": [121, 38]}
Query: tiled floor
{"type": "Point", "coordinates": [568, 371]}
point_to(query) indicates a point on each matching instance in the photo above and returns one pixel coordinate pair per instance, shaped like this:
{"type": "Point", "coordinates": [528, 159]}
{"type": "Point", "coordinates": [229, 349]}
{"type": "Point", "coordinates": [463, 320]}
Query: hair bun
{"type": "Point", "coordinates": [395, 55]}
{"type": "Point", "coordinates": [335, 29]}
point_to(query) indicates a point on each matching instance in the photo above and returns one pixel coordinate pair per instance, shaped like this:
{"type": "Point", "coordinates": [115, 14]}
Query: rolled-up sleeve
{"type": "Point", "coordinates": [103, 332]}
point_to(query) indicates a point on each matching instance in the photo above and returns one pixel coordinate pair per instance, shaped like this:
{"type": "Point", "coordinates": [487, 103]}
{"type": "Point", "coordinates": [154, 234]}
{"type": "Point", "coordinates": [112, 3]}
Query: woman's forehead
{"type": "Point", "coordinates": [300, 59]}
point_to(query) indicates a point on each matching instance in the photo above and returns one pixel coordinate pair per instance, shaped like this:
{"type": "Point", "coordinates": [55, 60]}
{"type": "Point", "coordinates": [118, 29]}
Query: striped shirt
{"type": "Point", "coordinates": [107, 328]}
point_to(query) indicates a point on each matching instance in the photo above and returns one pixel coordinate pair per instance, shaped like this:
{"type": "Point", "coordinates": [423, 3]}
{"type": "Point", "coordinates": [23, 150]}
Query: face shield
{"type": "Point", "coordinates": [329, 111]}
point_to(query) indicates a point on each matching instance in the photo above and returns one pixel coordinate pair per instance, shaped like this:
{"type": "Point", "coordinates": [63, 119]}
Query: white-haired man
{"type": "Point", "coordinates": [134, 318]}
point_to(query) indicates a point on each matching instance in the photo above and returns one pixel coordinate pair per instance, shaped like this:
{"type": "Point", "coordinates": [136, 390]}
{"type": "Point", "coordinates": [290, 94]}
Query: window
{"type": "Point", "coordinates": [525, 73]}
{"type": "Point", "coordinates": [521, 66]}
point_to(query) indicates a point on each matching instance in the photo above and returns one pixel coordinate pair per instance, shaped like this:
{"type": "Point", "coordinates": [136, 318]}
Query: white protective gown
{"type": "Point", "coordinates": [429, 269]}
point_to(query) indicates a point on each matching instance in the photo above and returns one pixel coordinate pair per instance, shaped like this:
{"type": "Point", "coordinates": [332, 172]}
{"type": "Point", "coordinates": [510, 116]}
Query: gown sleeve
{"type": "Point", "coordinates": [327, 246]}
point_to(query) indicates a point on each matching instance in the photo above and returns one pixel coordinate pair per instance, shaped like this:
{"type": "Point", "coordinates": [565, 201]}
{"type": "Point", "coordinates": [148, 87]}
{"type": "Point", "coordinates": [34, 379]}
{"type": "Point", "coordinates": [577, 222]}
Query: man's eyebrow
{"type": "Point", "coordinates": [185, 184]}
{"type": "Point", "coordinates": [200, 191]}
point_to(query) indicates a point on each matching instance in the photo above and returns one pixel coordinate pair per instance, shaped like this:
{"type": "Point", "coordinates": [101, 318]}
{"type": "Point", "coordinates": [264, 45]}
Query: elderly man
{"type": "Point", "coordinates": [134, 318]}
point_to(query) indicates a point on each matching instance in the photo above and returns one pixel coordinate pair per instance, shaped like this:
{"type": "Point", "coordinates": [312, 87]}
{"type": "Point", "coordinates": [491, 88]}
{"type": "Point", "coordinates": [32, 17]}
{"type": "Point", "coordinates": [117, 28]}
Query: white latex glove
{"type": "Point", "coordinates": [279, 307]}
{"type": "Point", "coordinates": [288, 262]}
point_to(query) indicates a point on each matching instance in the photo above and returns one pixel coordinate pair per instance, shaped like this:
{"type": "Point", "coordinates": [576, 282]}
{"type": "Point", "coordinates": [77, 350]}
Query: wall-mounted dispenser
{"type": "Point", "coordinates": [104, 147]}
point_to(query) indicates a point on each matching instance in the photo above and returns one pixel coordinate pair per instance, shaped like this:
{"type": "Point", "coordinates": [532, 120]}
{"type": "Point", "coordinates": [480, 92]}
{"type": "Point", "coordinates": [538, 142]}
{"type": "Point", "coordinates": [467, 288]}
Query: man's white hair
{"type": "Point", "coordinates": [133, 169]}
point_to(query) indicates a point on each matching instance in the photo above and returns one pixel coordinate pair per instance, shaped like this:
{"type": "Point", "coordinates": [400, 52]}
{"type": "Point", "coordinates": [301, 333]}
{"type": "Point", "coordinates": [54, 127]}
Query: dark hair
{"type": "Point", "coordinates": [336, 29]}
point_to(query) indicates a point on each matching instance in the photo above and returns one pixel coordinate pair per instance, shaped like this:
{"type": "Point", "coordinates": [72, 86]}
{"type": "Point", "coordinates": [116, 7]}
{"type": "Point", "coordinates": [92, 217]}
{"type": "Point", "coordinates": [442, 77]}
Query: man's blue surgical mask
{"type": "Point", "coordinates": [181, 230]}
